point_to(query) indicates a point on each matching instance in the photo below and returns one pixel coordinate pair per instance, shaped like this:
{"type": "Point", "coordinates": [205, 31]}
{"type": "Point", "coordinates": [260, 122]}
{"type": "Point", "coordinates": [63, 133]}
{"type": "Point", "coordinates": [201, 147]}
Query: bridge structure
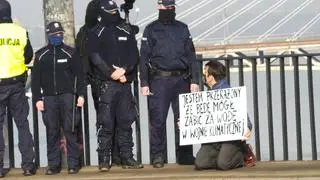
{"type": "Point", "coordinates": [270, 46]}
{"type": "Point", "coordinates": [281, 104]}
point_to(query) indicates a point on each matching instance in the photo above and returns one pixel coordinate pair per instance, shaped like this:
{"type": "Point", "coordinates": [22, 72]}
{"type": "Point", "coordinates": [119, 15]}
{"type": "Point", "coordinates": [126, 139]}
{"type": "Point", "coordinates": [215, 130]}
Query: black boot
{"type": "Point", "coordinates": [116, 160]}
{"type": "Point", "coordinates": [52, 170]}
{"type": "Point", "coordinates": [104, 163]}
{"type": "Point", "coordinates": [158, 161]}
{"type": "Point", "coordinates": [185, 155]}
{"type": "Point", "coordinates": [2, 173]}
{"type": "Point", "coordinates": [2, 170]}
{"type": "Point", "coordinates": [130, 163]}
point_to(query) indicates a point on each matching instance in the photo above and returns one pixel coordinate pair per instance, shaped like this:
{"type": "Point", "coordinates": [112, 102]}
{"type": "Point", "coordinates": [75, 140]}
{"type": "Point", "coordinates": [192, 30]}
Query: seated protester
{"type": "Point", "coordinates": [53, 80]}
{"type": "Point", "coordinates": [220, 155]}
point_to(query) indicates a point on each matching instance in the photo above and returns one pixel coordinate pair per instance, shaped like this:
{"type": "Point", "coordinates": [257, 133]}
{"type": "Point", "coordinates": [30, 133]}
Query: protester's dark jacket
{"type": "Point", "coordinates": [115, 45]}
{"type": "Point", "coordinates": [54, 72]}
{"type": "Point", "coordinates": [167, 47]}
{"type": "Point", "coordinates": [223, 84]}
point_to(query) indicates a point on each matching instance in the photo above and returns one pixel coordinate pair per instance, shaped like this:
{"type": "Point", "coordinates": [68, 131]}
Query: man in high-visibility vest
{"type": "Point", "coordinates": [15, 52]}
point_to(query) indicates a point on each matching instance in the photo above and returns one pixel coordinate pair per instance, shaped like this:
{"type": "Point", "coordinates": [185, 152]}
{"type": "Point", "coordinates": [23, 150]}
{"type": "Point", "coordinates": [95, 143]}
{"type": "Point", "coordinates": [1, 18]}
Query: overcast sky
{"type": "Point", "coordinates": [199, 16]}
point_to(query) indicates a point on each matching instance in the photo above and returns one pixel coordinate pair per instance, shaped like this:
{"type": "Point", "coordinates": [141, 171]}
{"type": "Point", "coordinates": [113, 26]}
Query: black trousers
{"type": "Point", "coordinates": [58, 111]}
{"type": "Point", "coordinates": [13, 99]}
{"type": "Point", "coordinates": [166, 91]}
{"type": "Point", "coordinates": [116, 114]}
{"type": "Point", "coordinates": [95, 92]}
{"type": "Point", "coordinates": [223, 156]}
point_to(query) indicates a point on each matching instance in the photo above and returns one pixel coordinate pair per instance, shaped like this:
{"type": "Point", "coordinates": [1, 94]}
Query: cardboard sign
{"type": "Point", "coordinates": [213, 116]}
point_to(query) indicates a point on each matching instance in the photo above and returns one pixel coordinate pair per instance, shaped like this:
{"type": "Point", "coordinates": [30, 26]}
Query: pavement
{"type": "Point", "coordinates": [262, 170]}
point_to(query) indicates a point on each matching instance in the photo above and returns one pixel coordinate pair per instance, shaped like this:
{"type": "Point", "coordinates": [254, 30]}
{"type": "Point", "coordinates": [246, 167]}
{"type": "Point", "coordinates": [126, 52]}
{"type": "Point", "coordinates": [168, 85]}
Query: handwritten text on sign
{"type": "Point", "coordinates": [213, 116]}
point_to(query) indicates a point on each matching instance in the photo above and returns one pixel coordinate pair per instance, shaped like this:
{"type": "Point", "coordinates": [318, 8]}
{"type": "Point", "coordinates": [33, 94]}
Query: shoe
{"type": "Point", "coordinates": [116, 161]}
{"type": "Point", "coordinates": [30, 172]}
{"type": "Point", "coordinates": [131, 163]}
{"type": "Point", "coordinates": [158, 162]}
{"type": "Point", "coordinates": [103, 167]}
{"type": "Point", "coordinates": [249, 157]}
{"type": "Point", "coordinates": [53, 170]}
{"type": "Point", "coordinates": [196, 168]}
{"type": "Point", "coordinates": [104, 164]}
{"type": "Point", "coordinates": [3, 172]}
{"type": "Point", "coordinates": [73, 170]}
{"type": "Point", "coordinates": [185, 155]}
{"type": "Point", "coordinates": [189, 160]}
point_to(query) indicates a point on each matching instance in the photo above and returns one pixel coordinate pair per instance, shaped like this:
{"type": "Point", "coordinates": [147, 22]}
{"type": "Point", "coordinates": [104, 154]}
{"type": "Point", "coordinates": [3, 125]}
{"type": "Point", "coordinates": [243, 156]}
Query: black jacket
{"type": "Point", "coordinates": [113, 45]}
{"type": "Point", "coordinates": [54, 72]}
{"type": "Point", "coordinates": [168, 47]}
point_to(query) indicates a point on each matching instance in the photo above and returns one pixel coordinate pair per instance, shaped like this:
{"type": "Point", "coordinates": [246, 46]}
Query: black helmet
{"type": "Point", "coordinates": [5, 9]}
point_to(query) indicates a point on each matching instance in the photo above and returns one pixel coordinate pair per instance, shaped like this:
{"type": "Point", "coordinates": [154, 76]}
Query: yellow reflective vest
{"type": "Point", "coordinates": [13, 39]}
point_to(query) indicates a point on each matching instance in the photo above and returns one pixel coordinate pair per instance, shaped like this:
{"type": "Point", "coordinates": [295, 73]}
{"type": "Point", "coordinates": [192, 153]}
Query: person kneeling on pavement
{"type": "Point", "coordinates": [221, 155]}
{"type": "Point", "coordinates": [56, 80]}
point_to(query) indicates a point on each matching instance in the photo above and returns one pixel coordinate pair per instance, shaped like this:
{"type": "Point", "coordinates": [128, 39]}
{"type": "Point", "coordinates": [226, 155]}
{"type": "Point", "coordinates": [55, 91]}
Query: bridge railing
{"type": "Point", "coordinates": [298, 63]}
{"type": "Point", "coordinates": [268, 92]}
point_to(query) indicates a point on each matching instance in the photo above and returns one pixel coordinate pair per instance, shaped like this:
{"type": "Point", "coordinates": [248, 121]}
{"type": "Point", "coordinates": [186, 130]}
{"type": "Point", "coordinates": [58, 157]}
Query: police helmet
{"type": "Point", "coordinates": [5, 9]}
{"type": "Point", "coordinates": [167, 3]}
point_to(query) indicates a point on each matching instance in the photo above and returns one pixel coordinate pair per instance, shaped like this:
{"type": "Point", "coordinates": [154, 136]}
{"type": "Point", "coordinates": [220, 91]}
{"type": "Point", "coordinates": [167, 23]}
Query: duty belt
{"type": "Point", "coordinates": [12, 80]}
{"type": "Point", "coordinates": [159, 72]}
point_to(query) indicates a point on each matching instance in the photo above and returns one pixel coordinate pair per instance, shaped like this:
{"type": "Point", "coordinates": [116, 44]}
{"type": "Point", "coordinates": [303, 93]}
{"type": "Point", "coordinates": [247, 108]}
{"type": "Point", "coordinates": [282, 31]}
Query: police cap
{"type": "Point", "coordinates": [108, 6]}
{"type": "Point", "coordinates": [54, 27]}
{"type": "Point", "coordinates": [167, 3]}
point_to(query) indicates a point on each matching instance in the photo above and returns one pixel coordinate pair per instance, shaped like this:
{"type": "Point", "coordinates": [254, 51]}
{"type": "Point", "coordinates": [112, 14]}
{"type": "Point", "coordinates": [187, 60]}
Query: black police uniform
{"type": "Point", "coordinates": [111, 43]}
{"type": "Point", "coordinates": [91, 20]}
{"type": "Point", "coordinates": [167, 66]}
{"type": "Point", "coordinates": [13, 100]}
{"type": "Point", "coordinates": [53, 79]}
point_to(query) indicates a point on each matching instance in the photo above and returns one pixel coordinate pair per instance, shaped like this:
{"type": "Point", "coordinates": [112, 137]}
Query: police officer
{"type": "Point", "coordinates": [53, 80]}
{"type": "Point", "coordinates": [113, 54]}
{"type": "Point", "coordinates": [91, 20]}
{"type": "Point", "coordinates": [168, 68]}
{"type": "Point", "coordinates": [15, 52]}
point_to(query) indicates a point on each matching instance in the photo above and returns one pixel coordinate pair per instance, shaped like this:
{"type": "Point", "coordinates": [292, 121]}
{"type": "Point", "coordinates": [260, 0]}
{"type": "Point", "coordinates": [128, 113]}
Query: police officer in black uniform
{"type": "Point", "coordinates": [113, 54]}
{"type": "Point", "coordinates": [168, 68]}
{"type": "Point", "coordinates": [56, 77]}
{"type": "Point", "coordinates": [91, 20]}
{"type": "Point", "coordinates": [15, 52]}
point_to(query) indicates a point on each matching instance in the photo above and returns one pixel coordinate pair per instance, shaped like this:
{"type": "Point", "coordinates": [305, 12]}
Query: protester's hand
{"type": "Point", "coordinates": [117, 73]}
{"type": "Point", "coordinates": [247, 133]}
{"type": "Point", "coordinates": [145, 91]}
{"type": "Point", "coordinates": [40, 105]}
{"type": "Point", "coordinates": [80, 101]}
{"type": "Point", "coordinates": [194, 88]}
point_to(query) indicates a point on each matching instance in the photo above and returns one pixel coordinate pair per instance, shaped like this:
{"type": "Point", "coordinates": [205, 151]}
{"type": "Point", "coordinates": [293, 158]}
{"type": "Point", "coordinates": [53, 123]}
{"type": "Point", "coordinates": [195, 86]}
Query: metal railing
{"type": "Point", "coordinates": [295, 59]}
{"type": "Point", "coordinates": [234, 65]}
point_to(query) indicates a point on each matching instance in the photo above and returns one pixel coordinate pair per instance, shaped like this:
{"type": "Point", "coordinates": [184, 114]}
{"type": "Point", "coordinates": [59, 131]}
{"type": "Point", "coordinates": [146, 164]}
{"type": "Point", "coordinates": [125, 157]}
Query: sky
{"type": "Point", "coordinates": [210, 21]}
